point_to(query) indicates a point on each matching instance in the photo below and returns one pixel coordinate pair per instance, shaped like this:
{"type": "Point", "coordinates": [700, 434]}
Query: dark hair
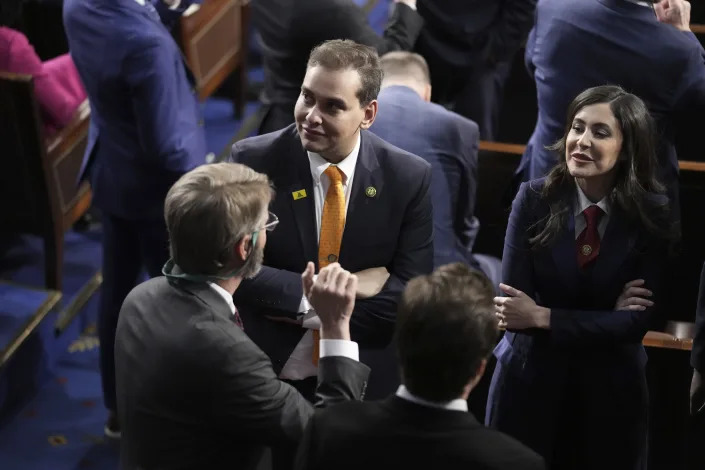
{"type": "Point", "coordinates": [10, 11]}
{"type": "Point", "coordinates": [637, 190]}
{"type": "Point", "coordinates": [445, 327]}
{"type": "Point", "coordinates": [340, 54]}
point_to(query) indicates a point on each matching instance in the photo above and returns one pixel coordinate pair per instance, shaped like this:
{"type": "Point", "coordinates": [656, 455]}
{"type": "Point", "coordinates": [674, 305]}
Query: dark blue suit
{"type": "Point", "coordinates": [578, 44]}
{"type": "Point", "coordinates": [576, 393]}
{"type": "Point", "coordinates": [448, 142]}
{"type": "Point", "coordinates": [697, 357]}
{"type": "Point", "coordinates": [146, 131]}
{"type": "Point", "coordinates": [392, 229]}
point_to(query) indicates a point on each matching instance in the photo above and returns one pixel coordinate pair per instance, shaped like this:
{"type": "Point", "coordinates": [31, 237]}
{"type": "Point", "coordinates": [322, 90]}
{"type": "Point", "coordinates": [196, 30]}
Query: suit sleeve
{"type": "Point", "coordinates": [251, 400]}
{"type": "Point", "coordinates": [529, 53]}
{"type": "Point", "coordinates": [517, 264]}
{"type": "Point", "coordinates": [373, 319]}
{"type": "Point", "coordinates": [697, 358]}
{"type": "Point", "coordinates": [453, 192]}
{"type": "Point", "coordinates": [690, 95]}
{"type": "Point", "coordinates": [399, 35]}
{"type": "Point", "coordinates": [156, 106]}
{"type": "Point", "coordinates": [509, 31]}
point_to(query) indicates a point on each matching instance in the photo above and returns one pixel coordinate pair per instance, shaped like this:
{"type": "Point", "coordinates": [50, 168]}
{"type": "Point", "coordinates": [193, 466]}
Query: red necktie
{"type": "Point", "coordinates": [237, 320]}
{"type": "Point", "coordinates": [588, 242]}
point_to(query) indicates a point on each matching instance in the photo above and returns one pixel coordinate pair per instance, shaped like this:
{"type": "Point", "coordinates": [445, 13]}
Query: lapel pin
{"type": "Point", "coordinates": [300, 194]}
{"type": "Point", "coordinates": [370, 191]}
{"type": "Point", "coordinates": [586, 250]}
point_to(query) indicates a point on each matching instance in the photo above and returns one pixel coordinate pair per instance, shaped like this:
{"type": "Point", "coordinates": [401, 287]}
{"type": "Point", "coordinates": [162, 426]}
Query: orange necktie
{"type": "Point", "coordinates": [332, 224]}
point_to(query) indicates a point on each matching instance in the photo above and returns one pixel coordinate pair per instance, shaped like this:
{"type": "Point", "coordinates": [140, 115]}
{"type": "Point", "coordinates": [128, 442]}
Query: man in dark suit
{"type": "Point", "coordinates": [146, 131]}
{"type": "Point", "coordinates": [289, 29]}
{"type": "Point", "coordinates": [445, 332]}
{"type": "Point", "coordinates": [469, 45]}
{"type": "Point", "coordinates": [646, 49]}
{"type": "Point", "coordinates": [385, 223]}
{"type": "Point", "coordinates": [697, 385]}
{"type": "Point", "coordinates": [447, 141]}
{"type": "Point", "coordinates": [193, 390]}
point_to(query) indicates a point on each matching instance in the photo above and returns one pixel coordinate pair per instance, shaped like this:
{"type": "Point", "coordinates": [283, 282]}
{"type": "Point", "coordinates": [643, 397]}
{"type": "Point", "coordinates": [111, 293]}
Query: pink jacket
{"type": "Point", "coordinates": [57, 85]}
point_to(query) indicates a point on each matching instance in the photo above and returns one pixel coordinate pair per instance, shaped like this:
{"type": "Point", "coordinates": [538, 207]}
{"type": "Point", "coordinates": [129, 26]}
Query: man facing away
{"type": "Point", "coordinates": [448, 141]}
{"type": "Point", "coordinates": [445, 331]}
{"type": "Point", "coordinates": [146, 131]}
{"type": "Point", "coordinates": [342, 195]}
{"type": "Point", "coordinates": [193, 391]}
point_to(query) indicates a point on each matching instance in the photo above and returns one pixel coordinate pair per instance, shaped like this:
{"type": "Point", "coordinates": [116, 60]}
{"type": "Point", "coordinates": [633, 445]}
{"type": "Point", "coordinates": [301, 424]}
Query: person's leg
{"type": "Point", "coordinates": [154, 245]}
{"type": "Point", "coordinates": [121, 268]}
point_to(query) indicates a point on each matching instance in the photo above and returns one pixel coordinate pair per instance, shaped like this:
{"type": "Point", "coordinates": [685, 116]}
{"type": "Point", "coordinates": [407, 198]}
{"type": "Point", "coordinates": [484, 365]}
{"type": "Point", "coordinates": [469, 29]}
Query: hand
{"type": "Point", "coordinates": [370, 282]}
{"type": "Point", "coordinates": [633, 297]}
{"type": "Point", "coordinates": [332, 295]}
{"type": "Point", "coordinates": [674, 12]}
{"type": "Point", "coordinates": [697, 394]}
{"type": "Point", "coordinates": [410, 3]}
{"type": "Point", "coordinates": [519, 311]}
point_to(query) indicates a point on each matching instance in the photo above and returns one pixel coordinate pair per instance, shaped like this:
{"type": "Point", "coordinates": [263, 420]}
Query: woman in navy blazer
{"type": "Point", "coordinates": [580, 294]}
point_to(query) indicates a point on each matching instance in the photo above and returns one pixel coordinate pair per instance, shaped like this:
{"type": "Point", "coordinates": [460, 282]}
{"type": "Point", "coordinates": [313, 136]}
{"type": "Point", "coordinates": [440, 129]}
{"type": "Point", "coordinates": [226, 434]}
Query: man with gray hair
{"type": "Point", "coordinates": [193, 390]}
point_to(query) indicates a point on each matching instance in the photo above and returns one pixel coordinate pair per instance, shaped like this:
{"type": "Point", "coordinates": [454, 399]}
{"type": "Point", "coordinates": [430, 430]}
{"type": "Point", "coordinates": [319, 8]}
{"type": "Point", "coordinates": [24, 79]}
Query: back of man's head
{"type": "Point", "coordinates": [400, 66]}
{"type": "Point", "coordinates": [446, 329]}
{"type": "Point", "coordinates": [344, 54]}
{"type": "Point", "coordinates": [208, 210]}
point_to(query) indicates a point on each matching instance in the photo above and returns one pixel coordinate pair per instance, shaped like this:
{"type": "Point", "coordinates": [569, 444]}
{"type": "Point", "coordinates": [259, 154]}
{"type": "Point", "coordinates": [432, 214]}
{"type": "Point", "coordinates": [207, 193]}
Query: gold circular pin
{"type": "Point", "coordinates": [586, 250]}
{"type": "Point", "coordinates": [370, 191]}
{"type": "Point", "coordinates": [332, 258]}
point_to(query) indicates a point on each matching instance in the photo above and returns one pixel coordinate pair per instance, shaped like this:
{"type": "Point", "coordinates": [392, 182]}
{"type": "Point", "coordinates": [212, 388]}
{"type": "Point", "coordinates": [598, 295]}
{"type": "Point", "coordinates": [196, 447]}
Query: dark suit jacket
{"type": "Point", "coordinates": [448, 142]}
{"type": "Point", "coordinates": [465, 32]}
{"type": "Point", "coordinates": [146, 128]}
{"type": "Point", "coordinates": [697, 357]}
{"type": "Point", "coordinates": [195, 392]}
{"type": "Point", "coordinates": [395, 433]}
{"type": "Point", "coordinates": [289, 29]}
{"type": "Point", "coordinates": [392, 229]}
{"type": "Point", "coordinates": [589, 366]}
{"type": "Point", "coordinates": [578, 44]}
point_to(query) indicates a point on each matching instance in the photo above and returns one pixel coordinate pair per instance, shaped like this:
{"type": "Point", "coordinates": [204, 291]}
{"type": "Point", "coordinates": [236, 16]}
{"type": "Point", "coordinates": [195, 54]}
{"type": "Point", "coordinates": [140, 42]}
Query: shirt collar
{"type": "Point", "coordinates": [346, 165]}
{"type": "Point", "coordinates": [584, 203]}
{"type": "Point", "coordinates": [456, 405]}
{"type": "Point", "coordinates": [141, 2]}
{"type": "Point", "coordinates": [225, 295]}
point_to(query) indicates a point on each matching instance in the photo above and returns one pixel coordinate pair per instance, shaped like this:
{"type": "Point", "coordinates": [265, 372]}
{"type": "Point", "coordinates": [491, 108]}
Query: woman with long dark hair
{"type": "Point", "coordinates": [583, 260]}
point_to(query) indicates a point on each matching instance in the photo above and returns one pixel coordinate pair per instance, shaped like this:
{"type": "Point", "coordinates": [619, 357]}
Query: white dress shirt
{"type": "Point", "coordinates": [328, 347]}
{"type": "Point", "coordinates": [457, 405]}
{"type": "Point", "coordinates": [173, 6]}
{"type": "Point", "coordinates": [640, 3]}
{"type": "Point", "coordinates": [583, 203]}
{"type": "Point", "coordinates": [300, 364]}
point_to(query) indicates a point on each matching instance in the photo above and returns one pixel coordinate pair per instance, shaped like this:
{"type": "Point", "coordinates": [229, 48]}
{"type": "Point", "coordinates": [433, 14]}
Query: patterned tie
{"type": "Point", "coordinates": [237, 320]}
{"type": "Point", "coordinates": [588, 242]}
{"type": "Point", "coordinates": [332, 224]}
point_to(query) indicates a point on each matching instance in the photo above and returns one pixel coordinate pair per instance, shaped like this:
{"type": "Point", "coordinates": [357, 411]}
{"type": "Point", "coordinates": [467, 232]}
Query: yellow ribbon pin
{"type": "Point", "coordinates": [300, 194]}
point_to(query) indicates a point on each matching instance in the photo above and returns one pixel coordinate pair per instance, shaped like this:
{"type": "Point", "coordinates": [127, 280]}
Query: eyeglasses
{"type": "Point", "coordinates": [272, 222]}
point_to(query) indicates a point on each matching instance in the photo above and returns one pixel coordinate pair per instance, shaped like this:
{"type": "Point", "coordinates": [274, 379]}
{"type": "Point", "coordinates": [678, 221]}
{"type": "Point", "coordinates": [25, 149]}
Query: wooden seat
{"type": "Point", "coordinates": [213, 37]}
{"type": "Point", "coordinates": [39, 190]}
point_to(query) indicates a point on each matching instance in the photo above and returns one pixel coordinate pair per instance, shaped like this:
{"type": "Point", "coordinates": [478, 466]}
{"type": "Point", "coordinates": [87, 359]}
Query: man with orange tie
{"type": "Point", "coordinates": [342, 195]}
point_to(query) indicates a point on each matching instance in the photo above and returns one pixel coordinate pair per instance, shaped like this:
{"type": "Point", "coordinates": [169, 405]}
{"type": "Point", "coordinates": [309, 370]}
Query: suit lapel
{"type": "Point", "coordinates": [304, 209]}
{"type": "Point", "coordinates": [564, 255]}
{"type": "Point", "coordinates": [368, 174]}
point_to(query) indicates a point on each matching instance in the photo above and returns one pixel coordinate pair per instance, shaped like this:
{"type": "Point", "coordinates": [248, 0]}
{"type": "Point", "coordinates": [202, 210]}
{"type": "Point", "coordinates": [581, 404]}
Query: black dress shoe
{"type": "Point", "coordinates": [112, 426]}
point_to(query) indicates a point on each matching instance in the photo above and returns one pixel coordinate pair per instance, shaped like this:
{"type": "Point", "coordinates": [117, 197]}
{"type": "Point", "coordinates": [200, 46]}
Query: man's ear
{"type": "Point", "coordinates": [427, 93]}
{"type": "Point", "coordinates": [370, 114]}
{"type": "Point", "coordinates": [243, 248]}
